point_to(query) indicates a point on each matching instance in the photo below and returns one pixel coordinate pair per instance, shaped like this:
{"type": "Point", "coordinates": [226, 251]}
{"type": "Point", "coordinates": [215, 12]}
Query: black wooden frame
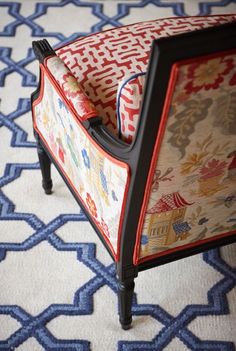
{"type": "Point", "coordinates": [138, 155]}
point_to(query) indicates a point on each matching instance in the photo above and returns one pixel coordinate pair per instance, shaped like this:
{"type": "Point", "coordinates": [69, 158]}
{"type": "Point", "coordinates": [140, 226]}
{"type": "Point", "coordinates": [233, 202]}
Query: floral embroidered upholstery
{"type": "Point", "coordinates": [99, 180]}
{"type": "Point", "coordinates": [193, 192]}
{"type": "Point", "coordinates": [172, 192]}
{"type": "Point", "coordinates": [75, 95]}
{"type": "Point", "coordinates": [102, 60]}
{"type": "Point", "coordinates": [204, 96]}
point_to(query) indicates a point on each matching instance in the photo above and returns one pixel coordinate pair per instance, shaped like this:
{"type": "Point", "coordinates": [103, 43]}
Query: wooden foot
{"type": "Point", "coordinates": [126, 291]}
{"type": "Point", "coordinates": [45, 166]}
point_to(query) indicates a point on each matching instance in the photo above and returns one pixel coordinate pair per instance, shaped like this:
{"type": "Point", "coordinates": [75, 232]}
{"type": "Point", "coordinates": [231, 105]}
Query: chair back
{"type": "Point", "coordinates": [186, 139]}
{"type": "Point", "coordinates": [192, 195]}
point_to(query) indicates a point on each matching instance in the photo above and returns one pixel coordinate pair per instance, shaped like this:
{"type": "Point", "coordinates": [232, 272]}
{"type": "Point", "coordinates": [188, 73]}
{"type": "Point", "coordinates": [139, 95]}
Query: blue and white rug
{"type": "Point", "coordinates": [57, 283]}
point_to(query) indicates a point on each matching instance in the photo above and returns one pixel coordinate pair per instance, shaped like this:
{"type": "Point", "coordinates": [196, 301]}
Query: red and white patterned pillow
{"type": "Point", "coordinates": [101, 60]}
{"type": "Point", "coordinates": [128, 105]}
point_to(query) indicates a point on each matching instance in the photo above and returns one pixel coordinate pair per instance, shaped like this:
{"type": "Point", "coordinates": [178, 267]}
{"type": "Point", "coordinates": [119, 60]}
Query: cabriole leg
{"type": "Point", "coordinates": [45, 166]}
{"type": "Point", "coordinates": [125, 292]}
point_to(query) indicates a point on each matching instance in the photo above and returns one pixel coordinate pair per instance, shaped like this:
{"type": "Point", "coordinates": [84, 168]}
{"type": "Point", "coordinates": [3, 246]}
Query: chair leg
{"type": "Point", "coordinates": [45, 166]}
{"type": "Point", "coordinates": [125, 294]}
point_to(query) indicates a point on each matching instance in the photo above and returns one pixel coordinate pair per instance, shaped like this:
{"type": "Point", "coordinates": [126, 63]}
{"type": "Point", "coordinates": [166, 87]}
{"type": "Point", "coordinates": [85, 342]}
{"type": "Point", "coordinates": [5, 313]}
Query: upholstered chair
{"type": "Point", "coordinates": [140, 121]}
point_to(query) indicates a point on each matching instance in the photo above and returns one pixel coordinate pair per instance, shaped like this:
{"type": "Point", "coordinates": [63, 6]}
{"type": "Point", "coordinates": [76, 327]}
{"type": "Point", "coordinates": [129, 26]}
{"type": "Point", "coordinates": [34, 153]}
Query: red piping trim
{"type": "Point", "coordinates": [111, 158]}
{"type": "Point", "coordinates": [164, 117]}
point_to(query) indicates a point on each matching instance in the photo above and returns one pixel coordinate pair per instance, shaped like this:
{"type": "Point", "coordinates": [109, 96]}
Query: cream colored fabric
{"type": "Point", "coordinates": [98, 179]}
{"type": "Point", "coordinates": [193, 194]}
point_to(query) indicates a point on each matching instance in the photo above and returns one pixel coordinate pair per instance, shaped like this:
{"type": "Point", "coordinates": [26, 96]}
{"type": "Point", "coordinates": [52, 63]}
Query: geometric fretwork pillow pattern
{"type": "Point", "coordinates": [101, 61]}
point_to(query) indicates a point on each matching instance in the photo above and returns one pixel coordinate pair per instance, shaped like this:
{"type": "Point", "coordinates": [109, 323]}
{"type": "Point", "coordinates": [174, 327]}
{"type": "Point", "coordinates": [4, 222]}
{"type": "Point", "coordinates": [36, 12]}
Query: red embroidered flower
{"type": "Point", "coordinates": [84, 106]}
{"type": "Point", "coordinates": [91, 205]}
{"type": "Point", "coordinates": [70, 85]}
{"type": "Point", "coordinates": [233, 80]}
{"type": "Point", "coordinates": [213, 168]}
{"type": "Point", "coordinates": [208, 74]}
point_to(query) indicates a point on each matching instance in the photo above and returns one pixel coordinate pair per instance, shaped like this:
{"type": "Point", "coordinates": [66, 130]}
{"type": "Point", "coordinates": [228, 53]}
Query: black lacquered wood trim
{"type": "Point", "coordinates": [42, 49]}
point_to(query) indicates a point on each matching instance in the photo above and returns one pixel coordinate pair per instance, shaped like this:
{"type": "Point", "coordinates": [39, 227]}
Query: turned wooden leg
{"type": "Point", "coordinates": [45, 165]}
{"type": "Point", "coordinates": [125, 292]}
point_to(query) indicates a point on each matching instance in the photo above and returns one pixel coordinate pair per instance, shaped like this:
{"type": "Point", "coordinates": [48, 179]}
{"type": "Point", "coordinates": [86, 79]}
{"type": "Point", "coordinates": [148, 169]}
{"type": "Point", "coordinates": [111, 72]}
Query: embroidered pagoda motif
{"type": "Point", "coordinates": [195, 198]}
{"type": "Point", "coordinates": [165, 221]}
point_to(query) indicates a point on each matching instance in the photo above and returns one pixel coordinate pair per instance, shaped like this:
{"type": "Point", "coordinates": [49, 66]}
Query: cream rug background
{"type": "Point", "coordinates": [57, 283]}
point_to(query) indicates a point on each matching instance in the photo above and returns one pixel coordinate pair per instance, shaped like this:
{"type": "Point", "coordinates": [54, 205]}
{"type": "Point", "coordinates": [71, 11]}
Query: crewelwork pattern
{"type": "Point", "coordinates": [99, 181]}
{"type": "Point", "coordinates": [71, 89]}
{"type": "Point", "coordinates": [199, 148]}
{"type": "Point", "coordinates": [14, 114]}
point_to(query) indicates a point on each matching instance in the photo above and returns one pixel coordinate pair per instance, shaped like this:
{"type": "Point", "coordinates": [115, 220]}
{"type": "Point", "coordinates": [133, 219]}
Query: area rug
{"type": "Point", "coordinates": [58, 288]}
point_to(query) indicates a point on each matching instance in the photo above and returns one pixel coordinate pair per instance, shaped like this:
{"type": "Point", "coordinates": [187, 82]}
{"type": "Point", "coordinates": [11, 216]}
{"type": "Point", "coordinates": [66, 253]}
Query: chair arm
{"type": "Point", "coordinates": [64, 79]}
{"type": "Point", "coordinates": [71, 88]}
{"type": "Point", "coordinates": [99, 181]}
{"type": "Point", "coordinates": [77, 99]}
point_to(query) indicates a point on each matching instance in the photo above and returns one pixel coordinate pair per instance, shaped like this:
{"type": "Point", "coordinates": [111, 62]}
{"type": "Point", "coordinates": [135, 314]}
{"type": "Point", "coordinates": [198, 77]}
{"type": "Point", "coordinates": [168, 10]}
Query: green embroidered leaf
{"type": "Point", "coordinates": [225, 116]}
{"type": "Point", "coordinates": [185, 121]}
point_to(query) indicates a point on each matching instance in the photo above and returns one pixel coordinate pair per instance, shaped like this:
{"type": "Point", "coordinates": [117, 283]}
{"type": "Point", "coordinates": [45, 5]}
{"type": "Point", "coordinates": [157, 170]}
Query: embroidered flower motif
{"type": "Point", "coordinates": [70, 85]}
{"type": "Point", "coordinates": [193, 162]}
{"type": "Point", "coordinates": [105, 228]}
{"type": "Point", "coordinates": [84, 106]}
{"type": "Point", "coordinates": [233, 80]}
{"type": "Point", "coordinates": [213, 168]}
{"type": "Point", "coordinates": [104, 181]}
{"type": "Point", "coordinates": [91, 205]}
{"type": "Point", "coordinates": [86, 158]}
{"type": "Point", "coordinates": [209, 74]}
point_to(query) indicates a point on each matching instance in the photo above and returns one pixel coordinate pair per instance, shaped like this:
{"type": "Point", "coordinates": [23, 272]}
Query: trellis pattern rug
{"type": "Point", "coordinates": [57, 283]}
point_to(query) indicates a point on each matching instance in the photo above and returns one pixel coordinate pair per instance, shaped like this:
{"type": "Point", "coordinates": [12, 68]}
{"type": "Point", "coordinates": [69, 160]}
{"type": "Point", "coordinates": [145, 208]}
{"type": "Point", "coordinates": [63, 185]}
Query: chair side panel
{"type": "Point", "coordinates": [100, 181]}
{"type": "Point", "coordinates": [192, 196]}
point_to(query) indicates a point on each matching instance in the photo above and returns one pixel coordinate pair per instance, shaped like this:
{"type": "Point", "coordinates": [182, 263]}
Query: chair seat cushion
{"type": "Point", "coordinates": [100, 62]}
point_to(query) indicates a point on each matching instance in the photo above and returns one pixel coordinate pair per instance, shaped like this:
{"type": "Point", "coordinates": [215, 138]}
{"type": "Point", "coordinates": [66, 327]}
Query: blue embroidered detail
{"type": "Point", "coordinates": [103, 181]}
{"type": "Point", "coordinates": [144, 239]}
{"type": "Point", "coordinates": [86, 158]}
{"type": "Point", "coordinates": [114, 195]}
